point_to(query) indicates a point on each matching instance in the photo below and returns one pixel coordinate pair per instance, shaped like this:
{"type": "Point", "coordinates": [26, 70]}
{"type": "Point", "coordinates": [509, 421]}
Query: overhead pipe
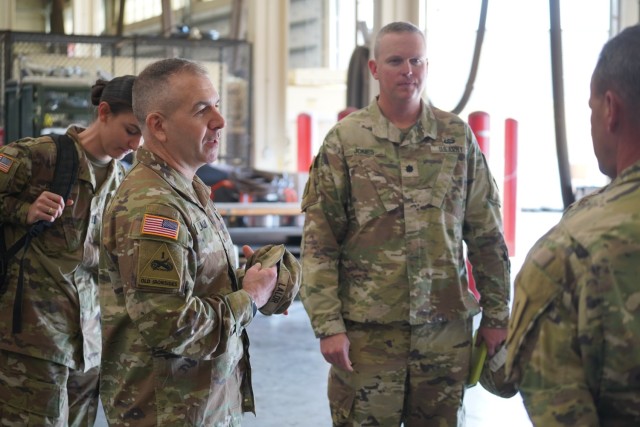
{"type": "Point", "coordinates": [558, 104]}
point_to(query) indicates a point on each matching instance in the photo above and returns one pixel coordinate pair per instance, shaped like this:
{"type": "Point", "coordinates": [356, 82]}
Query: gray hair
{"type": "Point", "coordinates": [618, 67]}
{"type": "Point", "coordinates": [151, 91]}
{"type": "Point", "coordinates": [392, 28]}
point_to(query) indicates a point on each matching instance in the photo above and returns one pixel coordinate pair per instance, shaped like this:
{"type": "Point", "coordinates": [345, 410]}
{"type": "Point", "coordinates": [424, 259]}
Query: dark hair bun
{"type": "Point", "coordinates": [96, 91]}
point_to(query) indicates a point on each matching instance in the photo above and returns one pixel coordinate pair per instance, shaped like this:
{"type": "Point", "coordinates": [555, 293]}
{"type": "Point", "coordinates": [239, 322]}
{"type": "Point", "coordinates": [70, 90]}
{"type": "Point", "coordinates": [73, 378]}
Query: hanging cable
{"type": "Point", "coordinates": [476, 59]}
{"type": "Point", "coordinates": [558, 104]}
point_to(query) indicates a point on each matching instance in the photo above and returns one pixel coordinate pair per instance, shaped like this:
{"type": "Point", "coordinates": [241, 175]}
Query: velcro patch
{"type": "Point", "coordinates": [5, 163]}
{"type": "Point", "coordinates": [160, 272]}
{"type": "Point", "coordinates": [156, 225]}
{"type": "Point", "coordinates": [447, 149]}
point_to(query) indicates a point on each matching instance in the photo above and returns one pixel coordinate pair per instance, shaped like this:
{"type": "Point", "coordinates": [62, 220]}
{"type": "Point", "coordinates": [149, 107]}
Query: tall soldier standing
{"type": "Point", "coordinates": [395, 190]}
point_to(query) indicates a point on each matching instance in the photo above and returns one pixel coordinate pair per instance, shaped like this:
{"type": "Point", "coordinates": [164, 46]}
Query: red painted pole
{"type": "Point", "coordinates": [510, 183]}
{"type": "Point", "coordinates": [344, 113]}
{"type": "Point", "coordinates": [479, 121]}
{"type": "Point", "coordinates": [304, 142]}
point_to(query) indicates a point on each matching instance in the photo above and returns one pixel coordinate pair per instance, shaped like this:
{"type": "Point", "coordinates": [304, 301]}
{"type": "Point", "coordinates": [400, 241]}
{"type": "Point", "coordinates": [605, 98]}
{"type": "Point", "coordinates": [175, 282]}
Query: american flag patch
{"type": "Point", "coordinates": [5, 163]}
{"type": "Point", "coordinates": [160, 226]}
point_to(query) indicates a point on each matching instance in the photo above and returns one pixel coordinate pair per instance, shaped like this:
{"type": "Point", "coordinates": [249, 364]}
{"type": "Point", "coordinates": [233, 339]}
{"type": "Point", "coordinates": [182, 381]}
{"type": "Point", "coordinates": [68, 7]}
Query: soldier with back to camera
{"type": "Point", "coordinates": [574, 338]}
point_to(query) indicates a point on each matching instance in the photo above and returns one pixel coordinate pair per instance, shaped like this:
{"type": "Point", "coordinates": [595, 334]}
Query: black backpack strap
{"type": "Point", "coordinates": [64, 177]}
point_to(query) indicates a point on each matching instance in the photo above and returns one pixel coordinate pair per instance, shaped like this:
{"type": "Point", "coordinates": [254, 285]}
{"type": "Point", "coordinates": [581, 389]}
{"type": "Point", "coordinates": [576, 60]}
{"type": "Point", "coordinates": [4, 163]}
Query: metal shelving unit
{"type": "Point", "coordinates": [36, 66]}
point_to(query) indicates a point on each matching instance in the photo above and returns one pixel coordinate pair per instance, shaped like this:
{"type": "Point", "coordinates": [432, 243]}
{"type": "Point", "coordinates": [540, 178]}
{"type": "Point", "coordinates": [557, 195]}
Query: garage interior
{"type": "Point", "coordinates": [282, 69]}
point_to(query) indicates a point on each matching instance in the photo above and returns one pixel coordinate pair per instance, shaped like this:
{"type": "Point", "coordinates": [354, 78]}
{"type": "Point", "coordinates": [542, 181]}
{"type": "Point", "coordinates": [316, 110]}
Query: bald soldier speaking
{"type": "Point", "coordinates": [174, 311]}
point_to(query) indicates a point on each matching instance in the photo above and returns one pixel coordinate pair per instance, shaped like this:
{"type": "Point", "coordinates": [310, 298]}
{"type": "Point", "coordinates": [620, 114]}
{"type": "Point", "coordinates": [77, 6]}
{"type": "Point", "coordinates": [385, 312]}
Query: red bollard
{"type": "Point", "coordinates": [304, 142]}
{"type": "Point", "coordinates": [344, 113]}
{"type": "Point", "coordinates": [479, 122]}
{"type": "Point", "coordinates": [510, 183]}
{"type": "Point", "coordinates": [472, 282]}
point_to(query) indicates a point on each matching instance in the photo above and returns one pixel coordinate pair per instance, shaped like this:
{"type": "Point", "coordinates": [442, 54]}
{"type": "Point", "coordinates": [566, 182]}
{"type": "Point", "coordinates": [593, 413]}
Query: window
{"type": "Point", "coordinates": [139, 10]}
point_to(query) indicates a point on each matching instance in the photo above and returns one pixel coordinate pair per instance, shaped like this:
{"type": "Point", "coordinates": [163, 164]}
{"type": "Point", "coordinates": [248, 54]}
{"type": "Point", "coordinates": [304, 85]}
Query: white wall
{"type": "Point", "coordinates": [514, 81]}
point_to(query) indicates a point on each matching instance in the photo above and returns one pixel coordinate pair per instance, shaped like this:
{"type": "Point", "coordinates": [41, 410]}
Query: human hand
{"type": "Point", "coordinates": [259, 282]}
{"type": "Point", "coordinates": [247, 251]}
{"type": "Point", "coordinates": [48, 206]}
{"type": "Point", "coordinates": [493, 337]}
{"type": "Point", "coordinates": [335, 349]}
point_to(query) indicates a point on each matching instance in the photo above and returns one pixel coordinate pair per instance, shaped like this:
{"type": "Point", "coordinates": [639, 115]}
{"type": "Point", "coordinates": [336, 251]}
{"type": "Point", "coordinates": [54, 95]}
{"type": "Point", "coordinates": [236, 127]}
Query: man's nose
{"type": "Point", "coordinates": [408, 68]}
{"type": "Point", "coordinates": [217, 121]}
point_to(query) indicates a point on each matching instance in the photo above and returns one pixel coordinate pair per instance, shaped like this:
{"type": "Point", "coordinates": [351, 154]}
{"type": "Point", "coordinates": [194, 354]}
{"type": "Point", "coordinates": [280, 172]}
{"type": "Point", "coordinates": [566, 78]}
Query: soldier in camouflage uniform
{"type": "Point", "coordinates": [49, 371]}
{"type": "Point", "coordinates": [574, 337]}
{"type": "Point", "coordinates": [394, 191]}
{"type": "Point", "coordinates": [174, 316]}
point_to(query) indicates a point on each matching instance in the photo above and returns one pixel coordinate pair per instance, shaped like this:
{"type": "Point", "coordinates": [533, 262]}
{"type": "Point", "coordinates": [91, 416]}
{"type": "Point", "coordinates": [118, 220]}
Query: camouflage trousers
{"type": "Point", "coordinates": [37, 392]}
{"type": "Point", "coordinates": [403, 375]}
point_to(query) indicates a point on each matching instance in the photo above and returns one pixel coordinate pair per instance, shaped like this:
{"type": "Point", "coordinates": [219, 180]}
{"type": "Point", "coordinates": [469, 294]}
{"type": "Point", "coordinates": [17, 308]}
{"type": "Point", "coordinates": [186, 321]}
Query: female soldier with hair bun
{"type": "Point", "coordinates": [49, 364]}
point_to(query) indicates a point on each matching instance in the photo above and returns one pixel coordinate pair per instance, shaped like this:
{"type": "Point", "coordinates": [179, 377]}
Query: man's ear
{"type": "Point", "coordinates": [155, 125]}
{"type": "Point", "coordinates": [373, 67]}
{"type": "Point", "coordinates": [613, 109]}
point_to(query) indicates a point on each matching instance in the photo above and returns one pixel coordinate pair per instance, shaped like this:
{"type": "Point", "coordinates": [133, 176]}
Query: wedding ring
{"type": "Point", "coordinates": [50, 210]}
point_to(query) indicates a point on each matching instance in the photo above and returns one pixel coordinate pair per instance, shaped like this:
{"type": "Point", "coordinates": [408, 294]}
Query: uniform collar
{"type": "Point", "coordinates": [425, 127]}
{"type": "Point", "coordinates": [631, 173]}
{"type": "Point", "coordinates": [178, 181]}
{"type": "Point", "coordinates": [84, 167]}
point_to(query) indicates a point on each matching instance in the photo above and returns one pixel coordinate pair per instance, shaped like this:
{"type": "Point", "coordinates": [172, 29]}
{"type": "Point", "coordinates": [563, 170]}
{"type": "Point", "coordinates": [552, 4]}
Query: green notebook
{"type": "Point", "coordinates": [478, 356]}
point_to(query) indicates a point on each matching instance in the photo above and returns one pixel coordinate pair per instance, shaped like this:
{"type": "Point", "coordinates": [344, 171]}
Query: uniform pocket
{"type": "Point", "coordinates": [374, 191]}
{"type": "Point", "coordinates": [535, 291]}
{"type": "Point", "coordinates": [32, 396]}
{"type": "Point", "coordinates": [341, 398]}
{"type": "Point", "coordinates": [448, 191]}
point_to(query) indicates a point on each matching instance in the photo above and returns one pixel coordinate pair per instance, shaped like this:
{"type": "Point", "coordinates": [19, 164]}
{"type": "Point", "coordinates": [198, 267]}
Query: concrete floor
{"type": "Point", "coordinates": [290, 380]}
{"type": "Point", "coordinates": [290, 375]}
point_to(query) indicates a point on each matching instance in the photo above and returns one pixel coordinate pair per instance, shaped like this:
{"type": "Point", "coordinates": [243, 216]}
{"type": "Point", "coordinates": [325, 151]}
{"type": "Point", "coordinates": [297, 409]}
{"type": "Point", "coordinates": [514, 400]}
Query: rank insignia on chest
{"type": "Point", "coordinates": [160, 226]}
{"type": "Point", "coordinates": [5, 163]}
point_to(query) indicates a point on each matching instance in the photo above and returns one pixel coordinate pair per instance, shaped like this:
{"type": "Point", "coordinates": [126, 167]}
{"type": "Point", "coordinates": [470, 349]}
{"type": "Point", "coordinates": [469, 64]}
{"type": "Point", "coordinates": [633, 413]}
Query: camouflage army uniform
{"type": "Point", "coordinates": [174, 339]}
{"type": "Point", "coordinates": [58, 351]}
{"type": "Point", "coordinates": [574, 338]}
{"type": "Point", "coordinates": [385, 219]}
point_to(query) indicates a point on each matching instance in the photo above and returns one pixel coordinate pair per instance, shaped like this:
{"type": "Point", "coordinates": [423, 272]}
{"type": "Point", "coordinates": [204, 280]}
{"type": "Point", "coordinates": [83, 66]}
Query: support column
{"type": "Point", "coordinates": [268, 31]}
{"type": "Point", "coordinates": [88, 17]}
{"type": "Point", "coordinates": [393, 10]}
{"type": "Point", "coordinates": [628, 14]}
{"type": "Point", "coordinates": [8, 15]}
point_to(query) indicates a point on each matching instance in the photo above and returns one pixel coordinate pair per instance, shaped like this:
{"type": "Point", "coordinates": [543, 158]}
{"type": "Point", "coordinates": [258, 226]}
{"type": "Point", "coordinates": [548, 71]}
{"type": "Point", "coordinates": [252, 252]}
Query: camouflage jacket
{"type": "Point", "coordinates": [574, 337]}
{"type": "Point", "coordinates": [61, 313]}
{"type": "Point", "coordinates": [385, 221]}
{"type": "Point", "coordinates": [174, 339]}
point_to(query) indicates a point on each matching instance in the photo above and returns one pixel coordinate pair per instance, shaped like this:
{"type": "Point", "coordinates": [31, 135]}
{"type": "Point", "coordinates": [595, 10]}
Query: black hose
{"type": "Point", "coordinates": [558, 103]}
{"type": "Point", "coordinates": [476, 59]}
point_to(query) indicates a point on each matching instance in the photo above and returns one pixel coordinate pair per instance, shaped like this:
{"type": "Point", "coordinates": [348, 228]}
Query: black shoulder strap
{"type": "Point", "coordinates": [66, 166]}
{"type": "Point", "coordinates": [64, 177]}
